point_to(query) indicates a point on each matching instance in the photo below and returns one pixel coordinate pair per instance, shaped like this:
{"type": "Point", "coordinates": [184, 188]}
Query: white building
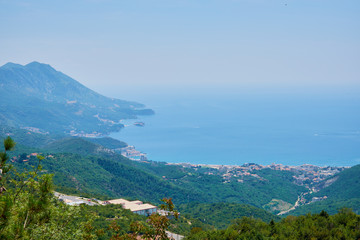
{"type": "Point", "coordinates": [135, 206]}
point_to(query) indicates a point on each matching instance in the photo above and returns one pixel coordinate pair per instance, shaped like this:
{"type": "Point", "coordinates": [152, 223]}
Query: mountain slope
{"type": "Point", "coordinates": [76, 145]}
{"type": "Point", "coordinates": [220, 215]}
{"type": "Point", "coordinates": [38, 96]}
{"type": "Point", "coordinates": [346, 186]}
{"type": "Point", "coordinates": [344, 191]}
{"type": "Point", "coordinates": [103, 176]}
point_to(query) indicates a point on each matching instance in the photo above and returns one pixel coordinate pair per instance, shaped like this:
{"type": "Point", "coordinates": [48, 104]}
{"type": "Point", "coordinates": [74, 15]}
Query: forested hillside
{"type": "Point", "coordinates": [346, 186]}
{"type": "Point", "coordinates": [343, 225]}
{"type": "Point", "coordinates": [58, 118]}
{"type": "Point", "coordinates": [221, 215]}
{"type": "Point", "coordinates": [42, 99]}
{"type": "Point", "coordinates": [339, 191]}
{"type": "Point", "coordinates": [31, 204]}
{"type": "Point", "coordinates": [93, 169]}
{"type": "Point", "coordinates": [49, 106]}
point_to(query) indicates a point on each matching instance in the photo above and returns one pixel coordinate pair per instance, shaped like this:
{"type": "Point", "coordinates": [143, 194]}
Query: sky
{"type": "Point", "coordinates": [128, 47]}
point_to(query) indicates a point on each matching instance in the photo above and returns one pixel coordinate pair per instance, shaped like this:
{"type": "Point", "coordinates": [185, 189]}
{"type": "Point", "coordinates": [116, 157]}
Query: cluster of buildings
{"type": "Point", "coordinates": [304, 174]}
{"type": "Point", "coordinates": [136, 206]}
{"type": "Point", "coordinates": [35, 130]}
{"type": "Point", "coordinates": [133, 154]}
{"type": "Point", "coordinates": [75, 133]}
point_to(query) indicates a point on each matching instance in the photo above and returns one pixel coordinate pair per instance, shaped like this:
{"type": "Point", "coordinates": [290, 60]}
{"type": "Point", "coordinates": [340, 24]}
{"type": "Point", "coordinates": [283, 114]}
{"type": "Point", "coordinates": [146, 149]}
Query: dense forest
{"type": "Point", "coordinates": [220, 215]}
{"type": "Point", "coordinates": [343, 225]}
{"type": "Point", "coordinates": [29, 209]}
{"type": "Point", "coordinates": [113, 175]}
{"type": "Point", "coordinates": [93, 167]}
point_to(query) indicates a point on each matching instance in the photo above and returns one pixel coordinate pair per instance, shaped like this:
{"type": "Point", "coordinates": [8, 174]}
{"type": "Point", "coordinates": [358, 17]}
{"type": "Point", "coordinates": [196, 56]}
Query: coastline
{"type": "Point", "coordinates": [227, 132]}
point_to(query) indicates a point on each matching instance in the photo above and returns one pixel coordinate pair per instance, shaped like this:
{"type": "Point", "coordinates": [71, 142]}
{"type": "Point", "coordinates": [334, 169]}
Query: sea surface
{"type": "Point", "coordinates": [237, 129]}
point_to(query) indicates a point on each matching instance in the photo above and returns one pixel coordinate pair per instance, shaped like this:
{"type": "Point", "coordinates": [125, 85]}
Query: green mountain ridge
{"type": "Point", "coordinates": [77, 146]}
{"type": "Point", "coordinates": [38, 96]}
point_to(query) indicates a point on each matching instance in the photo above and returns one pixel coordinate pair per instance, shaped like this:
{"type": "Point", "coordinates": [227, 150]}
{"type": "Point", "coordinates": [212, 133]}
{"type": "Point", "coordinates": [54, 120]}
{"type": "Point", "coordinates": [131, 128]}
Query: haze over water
{"type": "Point", "coordinates": [234, 129]}
{"type": "Point", "coordinates": [130, 49]}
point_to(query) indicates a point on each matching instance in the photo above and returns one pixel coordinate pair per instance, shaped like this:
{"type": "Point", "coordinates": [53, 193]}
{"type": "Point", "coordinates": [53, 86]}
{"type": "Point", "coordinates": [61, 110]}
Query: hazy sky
{"type": "Point", "coordinates": [129, 45]}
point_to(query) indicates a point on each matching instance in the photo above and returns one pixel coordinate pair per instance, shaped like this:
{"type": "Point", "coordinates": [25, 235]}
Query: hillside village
{"type": "Point", "coordinates": [304, 174]}
{"type": "Point", "coordinates": [310, 176]}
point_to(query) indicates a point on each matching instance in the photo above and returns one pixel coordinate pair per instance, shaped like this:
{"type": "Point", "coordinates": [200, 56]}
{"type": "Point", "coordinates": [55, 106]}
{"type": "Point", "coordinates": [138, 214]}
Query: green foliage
{"type": "Point", "coordinates": [110, 176]}
{"type": "Point", "coordinates": [158, 224]}
{"type": "Point", "coordinates": [28, 209]}
{"type": "Point", "coordinates": [28, 139]}
{"type": "Point", "coordinates": [330, 206]}
{"type": "Point", "coordinates": [343, 225]}
{"type": "Point", "coordinates": [75, 145]}
{"type": "Point", "coordinates": [125, 225]}
{"type": "Point", "coordinates": [8, 144]}
{"type": "Point", "coordinates": [279, 185]}
{"type": "Point", "coordinates": [111, 215]}
{"type": "Point", "coordinates": [343, 192]}
{"type": "Point", "coordinates": [346, 186]}
{"type": "Point", "coordinates": [108, 142]}
{"type": "Point", "coordinates": [105, 175]}
{"type": "Point", "coordinates": [220, 215]}
{"type": "Point", "coordinates": [88, 168]}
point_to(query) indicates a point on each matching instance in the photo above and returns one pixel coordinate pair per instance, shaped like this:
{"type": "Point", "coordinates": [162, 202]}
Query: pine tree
{"type": "Point", "coordinates": [28, 208]}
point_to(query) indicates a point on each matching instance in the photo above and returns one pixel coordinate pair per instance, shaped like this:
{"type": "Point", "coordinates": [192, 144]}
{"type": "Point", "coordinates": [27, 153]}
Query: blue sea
{"type": "Point", "coordinates": [237, 129]}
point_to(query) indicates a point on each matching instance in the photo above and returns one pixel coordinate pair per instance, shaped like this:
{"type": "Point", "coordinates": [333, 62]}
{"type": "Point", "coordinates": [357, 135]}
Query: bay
{"type": "Point", "coordinates": [238, 129]}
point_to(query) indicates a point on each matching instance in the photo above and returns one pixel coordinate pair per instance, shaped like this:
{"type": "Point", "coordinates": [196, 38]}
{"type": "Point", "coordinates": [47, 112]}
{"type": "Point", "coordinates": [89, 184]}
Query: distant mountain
{"type": "Point", "coordinates": [42, 99]}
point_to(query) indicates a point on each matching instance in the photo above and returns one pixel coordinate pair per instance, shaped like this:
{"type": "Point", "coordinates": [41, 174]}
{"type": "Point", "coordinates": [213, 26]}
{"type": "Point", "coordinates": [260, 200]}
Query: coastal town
{"type": "Point", "coordinates": [133, 154]}
{"type": "Point", "coordinates": [312, 177]}
{"type": "Point", "coordinates": [306, 174]}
